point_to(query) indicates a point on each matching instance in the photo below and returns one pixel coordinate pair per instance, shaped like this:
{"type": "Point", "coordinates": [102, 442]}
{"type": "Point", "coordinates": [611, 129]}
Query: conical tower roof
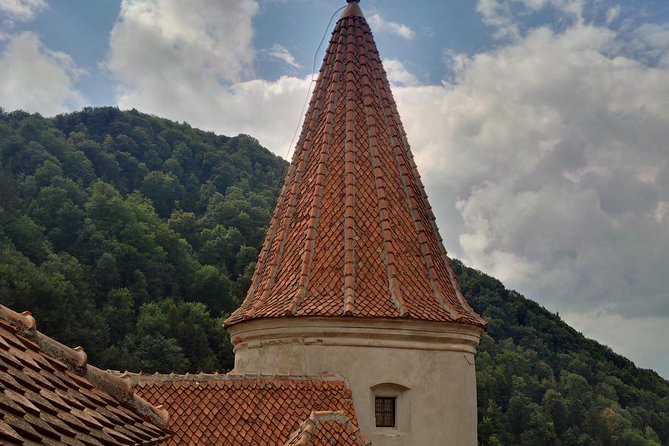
{"type": "Point", "coordinates": [353, 233]}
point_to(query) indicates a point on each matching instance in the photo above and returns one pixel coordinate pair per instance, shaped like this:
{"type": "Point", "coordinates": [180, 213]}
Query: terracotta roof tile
{"type": "Point", "coordinates": [243, 410]}
{"type": "Point", "coordinates": [48, 394]}
{"type": "Point", "coordinates": [328, 428]}
{"type": "Point", "coordinates": [353, 233]}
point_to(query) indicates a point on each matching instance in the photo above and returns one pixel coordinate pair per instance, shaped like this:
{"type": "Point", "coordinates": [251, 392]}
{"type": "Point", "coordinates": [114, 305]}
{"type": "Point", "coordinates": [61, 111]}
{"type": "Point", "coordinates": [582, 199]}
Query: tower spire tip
{"type": "Point", "coordinates": [352, 10]}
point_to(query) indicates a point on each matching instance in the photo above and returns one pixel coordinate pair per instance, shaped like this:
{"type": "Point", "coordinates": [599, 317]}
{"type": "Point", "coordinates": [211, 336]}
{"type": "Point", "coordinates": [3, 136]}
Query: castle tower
{"type": "Point", "coordinates": [353, 278]}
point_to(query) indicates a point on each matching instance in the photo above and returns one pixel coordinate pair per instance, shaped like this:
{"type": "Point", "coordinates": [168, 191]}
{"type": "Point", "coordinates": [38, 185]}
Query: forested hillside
{"type": "Point", "coordinates": [540, 382]}
{"type": "Point", "coordinates": [133, 236]}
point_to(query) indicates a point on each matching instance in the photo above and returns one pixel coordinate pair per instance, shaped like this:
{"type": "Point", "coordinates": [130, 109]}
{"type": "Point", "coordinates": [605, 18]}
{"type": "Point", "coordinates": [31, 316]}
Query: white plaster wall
{"type": "Point", "coordinates": [435, 363]}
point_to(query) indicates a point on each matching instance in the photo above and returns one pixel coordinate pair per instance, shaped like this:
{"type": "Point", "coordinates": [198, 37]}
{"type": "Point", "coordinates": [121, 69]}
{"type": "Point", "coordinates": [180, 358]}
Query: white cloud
{"type": "Point", "coordinates": [398, 74]}
{"type": "Point", "coordinates": [36, 79]}
{"type": "Point", "coordinates": [498, 15]}
{"type": "Point", "coordinates": [170, 43]}
{"type": "Point", "coordinates": [266, 110]}
{"type": "Point", "coordinates": [612, 14]}
{"type": "Point", "coordinates": [550, 160]}
{"type": "Point", "coordinates": [649, 43]}
{"type": "Point", "coordinates": [21, 10]}
{"type": "Point", "coordinates": [281, 53]}
{"type": "Point", "coordinates": [501, 14]}
{"type": "Point", "coordinates": [189, 62]}
{"type": "Point", "coordinates": [570, 7]}
{"type": "Point", "coordinates": [379, 24]}
{"type": "Point", "coordinates": [662, 212]}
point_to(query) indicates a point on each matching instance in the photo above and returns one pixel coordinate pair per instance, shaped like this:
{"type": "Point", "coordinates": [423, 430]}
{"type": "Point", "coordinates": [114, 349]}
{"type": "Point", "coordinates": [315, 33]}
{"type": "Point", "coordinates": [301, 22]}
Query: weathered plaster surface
{"type": "Point", "coordinates": [428, 366]}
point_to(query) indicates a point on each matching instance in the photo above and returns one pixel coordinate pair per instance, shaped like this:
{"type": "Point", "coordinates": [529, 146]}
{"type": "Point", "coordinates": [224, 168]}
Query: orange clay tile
{"type": "Point", "coordinates": [328, 428]}
{"type": "Point", "coordinates": [50, 395]}
{"type": "Point", "coordinates": [353, 233]}
{"type": "Point", "coordinates": [246, 410]}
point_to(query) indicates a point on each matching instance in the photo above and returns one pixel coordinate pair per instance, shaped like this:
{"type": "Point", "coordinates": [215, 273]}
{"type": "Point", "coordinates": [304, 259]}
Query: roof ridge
{"type": "Point", "coordinates": [76, 361]}
{"type": "Point", "coordinates": [433, 220]}
{"type": "Point", "coordinates": [297, 168]}
{"type": "Point", "coordinates": [309, 428]}
{"type": "Point", "coordinates": [383, 208]}
{"type": "Point", "coordinates": [349, 204]}
{"type": "Point", "coordinates": [136, 378]}
{"type": "Point", "coordinates": [408, 192]}
{"type": "Point", "coordinates": [311, 232]}
{"type": "Point", "coordinates": [257, 411]}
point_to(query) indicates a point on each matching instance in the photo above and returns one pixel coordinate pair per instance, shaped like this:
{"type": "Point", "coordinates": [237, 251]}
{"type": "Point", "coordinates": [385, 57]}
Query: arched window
{"type": "Point", "coordinates": [392, 406]}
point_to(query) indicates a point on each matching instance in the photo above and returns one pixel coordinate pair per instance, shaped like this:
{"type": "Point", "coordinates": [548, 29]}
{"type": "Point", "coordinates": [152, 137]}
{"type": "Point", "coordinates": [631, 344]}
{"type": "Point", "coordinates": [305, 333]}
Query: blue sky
{"type": "Point", "coordinates": [81, 28]}
{"type": "Point", "coordinates": [540, 127]}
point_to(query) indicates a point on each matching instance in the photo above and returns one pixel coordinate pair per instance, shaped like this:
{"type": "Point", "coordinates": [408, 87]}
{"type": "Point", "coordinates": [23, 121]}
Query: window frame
{"type": "Point", "coordinates": [402, 396]}
{"type": "Point", "coordinates": [387, 411]}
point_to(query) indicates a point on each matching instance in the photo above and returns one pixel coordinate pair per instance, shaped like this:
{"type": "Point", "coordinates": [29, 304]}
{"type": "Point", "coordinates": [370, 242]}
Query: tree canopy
{"type": "Point", "coordinates": [131, 235]}
{"type": "Point", "coordinates": [540, 382]}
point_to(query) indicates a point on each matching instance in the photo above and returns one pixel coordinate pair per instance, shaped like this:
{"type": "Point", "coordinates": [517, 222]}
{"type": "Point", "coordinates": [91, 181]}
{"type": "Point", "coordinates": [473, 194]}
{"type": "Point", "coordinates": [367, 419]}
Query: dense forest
{"type": "Point", "coordinates": [135, 236]}
{"type": "Point", "coordinates": [540, 382]}
{"type": "Point", "coordinates": [131, 235]}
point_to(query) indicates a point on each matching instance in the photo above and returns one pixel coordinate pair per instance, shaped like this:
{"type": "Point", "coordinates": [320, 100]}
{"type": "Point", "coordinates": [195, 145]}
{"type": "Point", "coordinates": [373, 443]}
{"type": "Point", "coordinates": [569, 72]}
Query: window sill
{"type": "Point", "coordinates": [389, 432]}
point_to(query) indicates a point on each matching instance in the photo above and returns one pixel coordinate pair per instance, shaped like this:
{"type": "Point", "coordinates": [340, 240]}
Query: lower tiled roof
{"type": "Point", "coordinates": [243, 410]}
{"type": "Point", "coordinates": [49, 395]}
{"type": "Point", "coordinates": [327, 429]}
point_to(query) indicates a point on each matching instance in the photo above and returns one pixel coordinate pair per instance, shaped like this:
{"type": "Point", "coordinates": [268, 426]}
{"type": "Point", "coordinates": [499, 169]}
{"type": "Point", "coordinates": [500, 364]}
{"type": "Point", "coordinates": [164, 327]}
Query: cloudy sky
{"type": "Point", "coordinates": [541, 127]}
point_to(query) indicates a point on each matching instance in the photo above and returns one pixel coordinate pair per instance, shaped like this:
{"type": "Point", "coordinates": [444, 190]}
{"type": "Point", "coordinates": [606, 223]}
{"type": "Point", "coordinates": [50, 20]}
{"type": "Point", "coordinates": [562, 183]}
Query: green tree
{"type": "Point", "coordinates": [212, 287]}
{"type": "Point", "coordinates": [164, 190]}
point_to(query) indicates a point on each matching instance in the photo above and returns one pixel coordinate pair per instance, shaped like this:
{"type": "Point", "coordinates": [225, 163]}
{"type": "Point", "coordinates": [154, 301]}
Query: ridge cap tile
{"type": "Point", "coordinates": [49, 400]}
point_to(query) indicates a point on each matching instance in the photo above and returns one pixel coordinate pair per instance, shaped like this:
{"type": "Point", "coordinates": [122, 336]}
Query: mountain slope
{"type": "Point", "coordinates": [540, 382]}
{"type": "Point", "coordinates": [133, 235]}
